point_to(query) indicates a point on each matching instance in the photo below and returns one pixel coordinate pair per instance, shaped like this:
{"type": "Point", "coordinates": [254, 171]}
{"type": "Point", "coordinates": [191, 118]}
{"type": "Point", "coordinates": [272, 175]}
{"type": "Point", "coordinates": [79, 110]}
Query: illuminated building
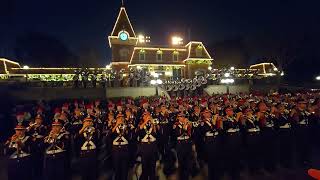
{"type": "Point", "coordinates": [176, 60]}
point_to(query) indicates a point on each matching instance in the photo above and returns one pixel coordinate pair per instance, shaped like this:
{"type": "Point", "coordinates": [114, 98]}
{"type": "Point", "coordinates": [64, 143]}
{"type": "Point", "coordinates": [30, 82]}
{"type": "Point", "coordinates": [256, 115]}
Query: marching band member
{"type": "Point", "coordinates": [210, 130]}
{"type": "Point", "coordinates": [268, 136]}
{"type": "Point", "coordinates": [37, 131]}
{"type": "Point", "coordinates": [252, 139]}
{"type": "Point", "coordinates": [301, 123]}
{"type": "Point", "coordinates": [284, 126]}
{"type": "Point", "coordinates": [165, 130]}
{"type": "Point", "coordinates": [232, 141]}
{"type": "Point", "coordinates": [88, 149]}
{"type": "Point", "coordinates": [182, 131]}
{"type": "Point", "coordinates": [120, 148]}
{"type": "Point", "coordinates": [130, 122]}
{"type": "Point", "coordinates": [56, 160]}
{"type": "Point", "coordinates": [147, 133]}
{"type": "Point", "coordinates": [19, 151]}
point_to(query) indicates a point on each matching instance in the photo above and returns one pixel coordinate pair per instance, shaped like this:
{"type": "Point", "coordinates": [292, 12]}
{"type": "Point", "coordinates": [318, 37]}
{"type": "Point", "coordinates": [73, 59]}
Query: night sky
{"type": "Point", "coordinates": [83, 25]}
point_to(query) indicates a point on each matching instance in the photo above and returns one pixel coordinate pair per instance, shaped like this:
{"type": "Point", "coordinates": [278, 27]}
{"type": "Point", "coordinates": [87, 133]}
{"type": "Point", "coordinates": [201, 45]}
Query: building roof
{"type": "Point", "coordinates": [123, 22]}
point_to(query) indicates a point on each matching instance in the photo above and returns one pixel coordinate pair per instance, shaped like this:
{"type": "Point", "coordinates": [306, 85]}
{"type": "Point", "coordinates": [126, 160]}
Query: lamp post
{"type": "Point", "coordinates": [156, 83]}
{"type": "Point", "coordinates": [227, 82]}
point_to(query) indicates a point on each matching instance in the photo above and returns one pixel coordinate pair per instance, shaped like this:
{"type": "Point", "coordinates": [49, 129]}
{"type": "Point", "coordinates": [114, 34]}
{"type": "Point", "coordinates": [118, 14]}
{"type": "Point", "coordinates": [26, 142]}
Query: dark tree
{"type": "Point", "coordinates": [43, 50]}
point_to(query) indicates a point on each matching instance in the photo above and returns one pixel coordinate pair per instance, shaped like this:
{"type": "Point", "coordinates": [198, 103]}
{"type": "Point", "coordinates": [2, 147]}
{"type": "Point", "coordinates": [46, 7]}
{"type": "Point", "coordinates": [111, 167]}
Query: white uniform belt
{"type": "Point", "coordinates": [286, 126]}
{"type": "Point", "coordinates": [232, 130]}
{"type": "Point", "coordinates": [123, 141]}
{"type": "Point", "coordinates": [183, 138]}
{"type": "Point", "coordinates": [148, 139]}
{"type": "Point", "coordinates": [88, 145]}
{"type": "Point", "coordinates": [50, 152]}
{"type": "Point", "coordinates": [302, 122]}
{"type": "Point", "coordinates": [252, 130]}
{"type": "Point", "coordinates": [269, 125]}
{"type": "Point", "coordinates": [212, 134]}
{"type": "Point", "coordinates": [21, 155]}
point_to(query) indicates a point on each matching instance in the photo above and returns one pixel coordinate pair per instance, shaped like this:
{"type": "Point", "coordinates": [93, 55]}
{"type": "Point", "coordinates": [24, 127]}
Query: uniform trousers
{"type": "Point", "coordinates": [253, 151]}
{"type": "Point", "coordinates": [302, 144]}
{"type": "Point", "coordinates": [88, 161]}
{"type": "Point", "coordinates": [268, 145]}
{"type": "Point", "coordinates": [20, 168]}
{"type": "Point", "coordinates": [285, 147]}
{"type": "Point", "coordinates": [184, 153]}
{"type": "Point", "coordinates": [148, 153]}
{"type": "Point", "coordinates": [55, 166]}
{"type": "Point", "coordinates": [214, 160]}
{"type": "Point", "coordinates": [232, 149]}
{"type": "Point", "coordinates": [120, 158]}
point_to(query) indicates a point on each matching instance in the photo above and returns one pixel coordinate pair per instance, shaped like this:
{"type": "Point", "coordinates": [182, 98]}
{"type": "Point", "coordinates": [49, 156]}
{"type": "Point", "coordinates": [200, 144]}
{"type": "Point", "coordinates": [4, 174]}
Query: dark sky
{"type": "Point", "coordinates": [86, 23]}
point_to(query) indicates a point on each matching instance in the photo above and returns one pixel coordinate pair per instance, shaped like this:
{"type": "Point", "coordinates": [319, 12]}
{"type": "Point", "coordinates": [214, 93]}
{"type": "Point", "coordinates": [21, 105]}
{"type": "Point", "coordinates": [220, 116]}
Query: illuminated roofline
{"type": "Point", "coordinates": [182, 65]}
{"type": "Point", "coordinates": [162, 49]}
{"type": "Point", "coordinates": [265, 63]}
{"type": "Point", "coordinates": [197, 42]}
{"type": "Point", "coordinates": [9, 61]}
{"type": "Point", "coordinates": [191, 59]}
{"type": "Point", "coordinates": [117, 37]}
{"type": "Point", "coordinates": [125, 12]}
{"type": "Point", "coordinates": [116, 63]}
{"type": "Point", "coordinates": [64, 68]}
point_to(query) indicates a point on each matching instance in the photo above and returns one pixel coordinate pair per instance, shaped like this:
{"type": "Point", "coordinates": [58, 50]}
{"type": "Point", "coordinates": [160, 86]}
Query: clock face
{"type": "Point", "coordinates": [123, 36]}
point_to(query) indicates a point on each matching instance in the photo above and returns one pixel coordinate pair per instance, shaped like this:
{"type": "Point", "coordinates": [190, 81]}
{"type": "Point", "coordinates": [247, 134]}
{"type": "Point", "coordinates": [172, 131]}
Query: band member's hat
{"type": "Point", "coordinates": [302, 101]}
{"type": "Point", "coordinates": [180, 114]}
{"type": "Point", "coordinates": [120, 115]}
{"type": "Point", "coordinates": [57, 123]}
{"type": "Point", "coordinates": [205, 111]}
{"type": "Point", "coordinates": [88, 119]}
{"type": "Point", "coordinates": [20, 127]}
{"type": "Point", "coordinates": [38, 117]}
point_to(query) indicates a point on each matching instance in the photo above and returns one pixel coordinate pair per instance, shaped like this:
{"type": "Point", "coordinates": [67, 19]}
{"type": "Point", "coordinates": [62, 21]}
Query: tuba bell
{"type": "Point", "coordinates": [168, 87]}
{"type": "Point", "coordinates": [193, 87]}
{"type": "Point", "coordinates": [181, 86]}
{"type": "Point", "coordinates": [175, 87]}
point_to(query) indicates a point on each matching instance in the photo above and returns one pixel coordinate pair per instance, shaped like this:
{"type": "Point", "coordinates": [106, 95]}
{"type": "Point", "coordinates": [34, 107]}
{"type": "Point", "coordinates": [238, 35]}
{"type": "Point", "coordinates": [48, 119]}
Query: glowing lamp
{"type": "Point", "coordinates": [209, 68]}
{"type": "Point", "coordinates": [227, 81]}
{"type": "Point", "coordinates": [227, 75]}
{"type": "Point", "coordinates": [25, 67]}
{"type": "Point", "coordinates": [153, 82]}
{"type": "Point", "coordinates": [318, 78]}
{"type": "Point", "coordinates": [232, 68]}
{"type": "Point", "coordinates": [158, 81]}
{"type": "Point", "coordinates": [177, 40]}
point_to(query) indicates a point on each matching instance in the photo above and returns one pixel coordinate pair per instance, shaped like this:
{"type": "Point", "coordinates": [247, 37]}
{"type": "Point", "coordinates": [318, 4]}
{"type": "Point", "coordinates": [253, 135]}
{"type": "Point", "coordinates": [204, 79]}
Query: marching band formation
{"type": "Point", "coordinates": [222, 131]}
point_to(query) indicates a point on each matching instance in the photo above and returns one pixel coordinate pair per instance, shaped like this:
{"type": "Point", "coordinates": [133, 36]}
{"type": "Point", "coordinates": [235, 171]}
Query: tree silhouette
{"type": "Point", "coordinates": [39, 49]}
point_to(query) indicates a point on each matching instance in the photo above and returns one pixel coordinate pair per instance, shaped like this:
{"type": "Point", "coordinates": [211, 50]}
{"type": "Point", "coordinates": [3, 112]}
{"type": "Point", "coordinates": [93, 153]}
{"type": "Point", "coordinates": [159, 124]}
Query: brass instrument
{"type": "Point", "coordinates": [30, 126]}
{"type": "Point", "coordinates": [50, 139]}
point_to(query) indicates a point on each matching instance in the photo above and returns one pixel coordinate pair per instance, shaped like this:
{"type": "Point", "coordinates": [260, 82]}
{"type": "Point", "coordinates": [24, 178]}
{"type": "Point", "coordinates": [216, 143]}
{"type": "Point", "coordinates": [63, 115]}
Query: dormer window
{"type": "Point", "coordinates": [159, 55]}
{"type": "Point", "coordinates": [142, 55]}
{"type": "Point", "coordinates": [199, 50]}
{"type": "Point", "coordinates": [175, 56]}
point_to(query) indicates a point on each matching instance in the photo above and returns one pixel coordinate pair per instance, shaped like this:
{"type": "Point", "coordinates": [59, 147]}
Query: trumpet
{"type": "Point", "coordinates": [155, 121]}
{"type": "Point", "coordinates": [31, 126]}
{"type": "Point", "coordinates": [50, 139]}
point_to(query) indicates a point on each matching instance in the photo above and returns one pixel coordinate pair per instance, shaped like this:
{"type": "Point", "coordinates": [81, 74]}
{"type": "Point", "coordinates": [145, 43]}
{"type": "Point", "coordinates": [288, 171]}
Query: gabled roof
{"type": "Point", "coordinates": [193, 48]}
{"type": "Point", "coordinates": [123, 23]}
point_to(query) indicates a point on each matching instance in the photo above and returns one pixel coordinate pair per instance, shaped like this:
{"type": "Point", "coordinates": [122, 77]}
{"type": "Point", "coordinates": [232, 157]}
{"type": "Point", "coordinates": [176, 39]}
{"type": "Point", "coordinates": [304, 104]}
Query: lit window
{"type": "Point", "coordinates": [199, 50]}
{"type": "Point", "coordinates": [159, 55]}
{"type": "Point", "coordinates": [175, 56]}
{"type": "Point", "coordinates": [142, 55]}
{"type": "Point", "coordinates": [124, 53]}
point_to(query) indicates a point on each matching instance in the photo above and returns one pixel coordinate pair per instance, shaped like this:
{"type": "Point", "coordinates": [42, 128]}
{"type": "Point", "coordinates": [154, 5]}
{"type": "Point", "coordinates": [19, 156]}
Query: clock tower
{"type": "Point", "coordinates": [122, 41]}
